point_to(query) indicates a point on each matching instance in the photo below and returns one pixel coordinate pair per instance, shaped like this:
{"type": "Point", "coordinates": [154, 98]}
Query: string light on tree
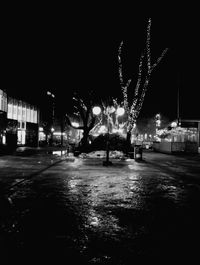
{"type": "Point", "coordinates": [133, 105]}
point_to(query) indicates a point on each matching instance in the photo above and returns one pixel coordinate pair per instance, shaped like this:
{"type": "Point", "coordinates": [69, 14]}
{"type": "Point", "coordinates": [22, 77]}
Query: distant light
{"type": "Point", "coordinates": [75, 124]}
{"type": "Point", "coordinates": [4, 139]}
{"type": "Point", "coordinates": [96, 110]}
{"type": "Point", "coordinates": [158, 116]}
{"type": "Point", "coordinates": [173, 124]}
{"type": "Point", "coordinates": [102, 129]}
{"type": "Point", "coordinates": [50, 94]}
{"type": "Point", "coordinates": [41, 129]}
{"type": "Point", "coordinates": [120, 130]}
{"type": "Point", "coordinates": [158, 123]}
{"type": "Point", "coordinates": [52, 129]}
{"type": "Point", "coordinates": [120, 111]}
{"type": "Point", "coordinates": [110, 109]}
{"type": "Point", "coordinates": [58, 133]}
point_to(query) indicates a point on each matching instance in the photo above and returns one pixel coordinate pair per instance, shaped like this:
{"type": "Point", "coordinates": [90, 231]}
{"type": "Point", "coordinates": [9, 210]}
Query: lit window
{"type": "Point", "coordinates": [19, 112]}
{"type": "Point", "coordinates": [24, 112]}
{"type": "Point", "coordinates": [32, 120]}
{"type": "Point", "coordinates": [15, 112]}
{"type": "Point", "coordinates": [28, 114]}
{"type": "Point", "coordinates": [10, 111]}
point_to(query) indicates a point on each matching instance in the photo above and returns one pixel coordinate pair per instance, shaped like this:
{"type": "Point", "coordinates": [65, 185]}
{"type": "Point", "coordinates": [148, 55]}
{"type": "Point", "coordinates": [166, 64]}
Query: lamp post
{"type": "Point", "coordinates": [110, 110]}
{"type": "Point", "coordinates": [158, 121]}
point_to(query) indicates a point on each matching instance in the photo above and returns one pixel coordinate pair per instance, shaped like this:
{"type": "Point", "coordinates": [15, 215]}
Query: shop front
{"type": "Point", "coordinates": [179, 139]}
{"type": "Point", "coordinates": [23, 122]}
{"type": "Point", "coordinates": [3, 117]}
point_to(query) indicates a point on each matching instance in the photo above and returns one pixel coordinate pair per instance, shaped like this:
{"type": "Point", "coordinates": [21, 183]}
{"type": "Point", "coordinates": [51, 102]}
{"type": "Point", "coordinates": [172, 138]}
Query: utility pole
{"type": "Point", "coordinates": [62, 132]}
{"type": "Point", "coordinates": [178, 100]}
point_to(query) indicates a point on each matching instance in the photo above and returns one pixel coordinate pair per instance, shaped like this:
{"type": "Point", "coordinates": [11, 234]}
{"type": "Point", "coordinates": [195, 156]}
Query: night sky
{"type": "Point", "coordinates": [80, 53]}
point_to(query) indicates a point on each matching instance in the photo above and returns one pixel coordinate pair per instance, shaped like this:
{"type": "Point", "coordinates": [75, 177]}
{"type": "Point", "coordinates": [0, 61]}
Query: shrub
{"type": "Point", "coordinates": [116, 142]}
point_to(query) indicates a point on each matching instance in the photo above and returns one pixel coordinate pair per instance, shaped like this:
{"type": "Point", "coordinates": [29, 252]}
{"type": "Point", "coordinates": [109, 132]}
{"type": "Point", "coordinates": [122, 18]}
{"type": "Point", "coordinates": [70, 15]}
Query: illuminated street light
{"type": "Point", "coordinates": [75, 124]}
{"type": "Point", "coordinates": [96, 110]}
{"type": "Point", "coordinates": [173, 124]}
{"type": "Point", "coordinates": [120, 111]}
{"type": "Point", "coordinates": [109, 110]}
{"type": "Point", "coordinates": [158, 120]}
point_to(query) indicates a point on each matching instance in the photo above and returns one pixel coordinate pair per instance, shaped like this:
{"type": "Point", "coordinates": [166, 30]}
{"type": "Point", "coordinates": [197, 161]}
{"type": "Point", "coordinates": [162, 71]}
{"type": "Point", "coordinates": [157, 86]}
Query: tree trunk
{"type": "Point", "coordinates": [128, 141]}
{"type": "Point", "coordinates": [84, 141]}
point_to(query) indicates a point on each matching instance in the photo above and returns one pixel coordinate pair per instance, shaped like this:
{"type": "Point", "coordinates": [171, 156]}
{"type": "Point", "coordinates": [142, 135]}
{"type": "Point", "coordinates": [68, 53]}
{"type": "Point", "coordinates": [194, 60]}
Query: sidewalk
{"type": "Point", "coordinates": [25, 150]}
{"type": "Point", "coordinates": [27, 162]}
{"type": "Point", "coordinates": [38, 150]}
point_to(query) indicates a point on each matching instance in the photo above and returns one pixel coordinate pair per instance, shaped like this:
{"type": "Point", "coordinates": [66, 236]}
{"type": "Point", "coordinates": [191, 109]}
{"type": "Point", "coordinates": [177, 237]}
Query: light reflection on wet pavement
{"type": "Point", "coordinates": [106, 215]}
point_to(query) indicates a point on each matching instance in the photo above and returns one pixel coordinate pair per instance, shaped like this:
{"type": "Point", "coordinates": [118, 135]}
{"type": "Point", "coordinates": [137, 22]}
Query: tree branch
{"type": "Point", "coordinates": [148, 49]}
{"type": "Point", "coordinates": [159, 59]}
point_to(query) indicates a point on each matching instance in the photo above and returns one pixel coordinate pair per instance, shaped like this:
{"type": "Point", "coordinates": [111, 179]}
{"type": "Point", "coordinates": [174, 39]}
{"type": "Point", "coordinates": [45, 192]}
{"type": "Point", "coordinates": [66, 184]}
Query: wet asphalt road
{"type": "Point", "coordinates": [78, 212]}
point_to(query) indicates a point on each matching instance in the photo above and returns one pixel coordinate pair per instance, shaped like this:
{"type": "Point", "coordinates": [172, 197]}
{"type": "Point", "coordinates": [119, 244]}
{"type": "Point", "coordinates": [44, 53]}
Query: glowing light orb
{"type": "Point", "coordinates": [75, 124]}
{"type": "Point", "coordinates": [120, 111]}
{"type": "Point", "coordinates": [96, 110]}
{"type": "Point", "coordinates": [173, 124]}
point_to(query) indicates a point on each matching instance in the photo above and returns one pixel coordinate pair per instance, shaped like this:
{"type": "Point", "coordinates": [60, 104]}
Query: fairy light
{"type": "Point", "coordinates": [120, 64]}
{"type": "Point", "coordinates": [134, 109]}
{"type": "Point", "coordinates": [159, 59]}
{"type": "Point", "coordinates": [148, 46]}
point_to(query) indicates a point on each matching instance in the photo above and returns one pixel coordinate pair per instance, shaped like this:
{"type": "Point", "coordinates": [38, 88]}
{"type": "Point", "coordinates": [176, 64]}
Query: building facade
{"type": "Point", "coordinates": [184, 138]}
{"type": "Point", "coordinates": [3, 116]}
{"type": "Point", "coordinates": [19, 122]}
{"type": "Point", "coordinates": [22, 120]}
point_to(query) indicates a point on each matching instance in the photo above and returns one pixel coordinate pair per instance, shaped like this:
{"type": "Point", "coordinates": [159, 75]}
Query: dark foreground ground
{"type": "Point", "coordinates": [67, 210]}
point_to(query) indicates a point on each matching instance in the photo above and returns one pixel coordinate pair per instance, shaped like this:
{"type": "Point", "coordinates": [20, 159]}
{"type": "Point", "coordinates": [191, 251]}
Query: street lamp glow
{"type": "Point", "coordinates": [173, 124]}
{"type": "Point", "coordinates": [120, 111]}
{"type": "Point", "coordinates": [102, 129]}
{"type": "Point", "coordinates": [158, 116]}
{"type": "Point", "coordinates": [75, 124]}
{"type": "Point", "coordinates": [111, 109]}
{"type": "Point", "coordinates": [96, 110]}
{"type": "Point", "coordinates": [52, 129]}
{"type": "Point", "coordinates": [50, 94]}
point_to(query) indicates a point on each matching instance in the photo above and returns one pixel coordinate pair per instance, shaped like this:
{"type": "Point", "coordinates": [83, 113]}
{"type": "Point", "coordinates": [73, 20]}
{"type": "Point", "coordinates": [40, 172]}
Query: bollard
{"type": "Point", "coordinates": [138, 152]}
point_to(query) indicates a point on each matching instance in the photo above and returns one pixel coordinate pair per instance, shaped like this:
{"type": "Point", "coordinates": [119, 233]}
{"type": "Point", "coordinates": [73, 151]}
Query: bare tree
{"type": "Point", "coordinates": [83, 113]}
{"type": "Point", "coordinates": [133, 103]}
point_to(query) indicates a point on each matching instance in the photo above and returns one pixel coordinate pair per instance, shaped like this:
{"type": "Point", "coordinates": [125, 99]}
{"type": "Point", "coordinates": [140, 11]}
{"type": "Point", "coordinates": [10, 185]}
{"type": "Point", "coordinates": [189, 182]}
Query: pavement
{"type": "Point", "coordinates": [66, 208]}
{"type": "Point", "coordinates": [27, 162]}
{"type": "Point", "coordinates": [24, 150]}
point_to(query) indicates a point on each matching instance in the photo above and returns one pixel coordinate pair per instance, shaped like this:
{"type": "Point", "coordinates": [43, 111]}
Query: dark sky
{"type": "Point", "coordinates": [80, 53]}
